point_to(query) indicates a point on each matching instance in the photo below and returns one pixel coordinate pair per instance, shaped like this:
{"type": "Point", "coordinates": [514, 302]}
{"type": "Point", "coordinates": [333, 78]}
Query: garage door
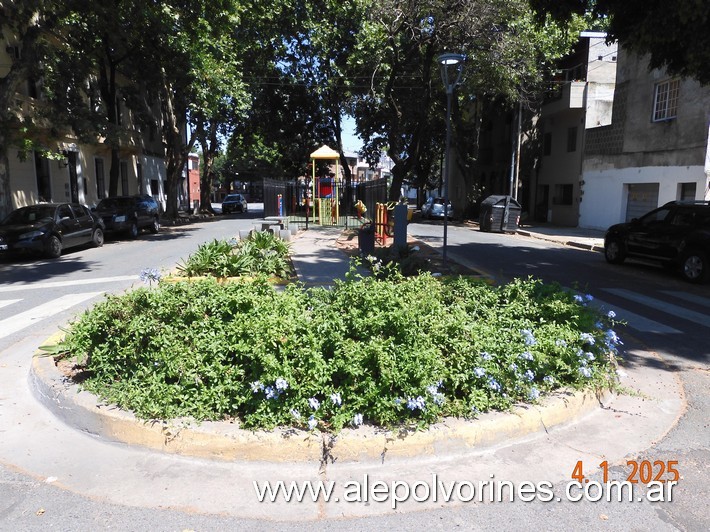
{"type": "Point", "coordinates": [642, 197]}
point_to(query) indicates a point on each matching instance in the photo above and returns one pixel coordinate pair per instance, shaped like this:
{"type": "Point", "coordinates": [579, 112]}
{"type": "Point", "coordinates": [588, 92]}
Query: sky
{"type": "Point", "coordinates": [351, 142]}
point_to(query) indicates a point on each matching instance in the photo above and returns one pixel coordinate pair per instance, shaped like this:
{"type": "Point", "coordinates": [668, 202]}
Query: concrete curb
{"type": "Point", "coordinates": [570, 243]}
{"type": "Point", "coordinates": [226, 441]}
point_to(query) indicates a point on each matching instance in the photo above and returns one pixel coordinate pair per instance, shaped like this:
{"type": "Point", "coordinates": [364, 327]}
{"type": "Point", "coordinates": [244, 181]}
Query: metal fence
{"type": "Point", "coordinates": [332, 211]}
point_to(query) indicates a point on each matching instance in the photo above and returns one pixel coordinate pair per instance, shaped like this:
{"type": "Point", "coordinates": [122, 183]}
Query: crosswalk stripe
{"type": "Point", "coordinates": [691, 298]}
{"type": "Point", "coordinates": [636, 321]}
{"type": "Point", "coordinates": [18, 322]}
{"type": "Point", "coordinates": [8, 302]}
{"type": "Point", "coordinates": [687, 314]}
{"type": "Point", "coordinates": [56, 284]}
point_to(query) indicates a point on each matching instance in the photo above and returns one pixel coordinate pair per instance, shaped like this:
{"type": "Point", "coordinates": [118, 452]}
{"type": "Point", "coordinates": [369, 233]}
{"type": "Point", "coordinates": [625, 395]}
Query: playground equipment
{"type": "Point", "coordinates": [325, 192]}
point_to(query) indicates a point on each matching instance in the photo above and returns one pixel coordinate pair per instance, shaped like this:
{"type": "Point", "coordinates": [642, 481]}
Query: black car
{"type": "Point", "coordinates": [234, 203]}
{"type": "Point", "coordinates": [677, 235]}
{"type": "Point", "coordinates": [47, 228]}
{"type": "Point", "coordinates": [129, 214]}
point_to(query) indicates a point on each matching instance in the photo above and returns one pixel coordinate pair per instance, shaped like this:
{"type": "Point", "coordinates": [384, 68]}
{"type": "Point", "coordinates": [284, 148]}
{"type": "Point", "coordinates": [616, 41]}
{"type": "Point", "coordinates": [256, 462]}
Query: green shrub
{"type": "Point", "coordinates": [262, 253]}
{"type": "Point", "coordinates": [384, 350]}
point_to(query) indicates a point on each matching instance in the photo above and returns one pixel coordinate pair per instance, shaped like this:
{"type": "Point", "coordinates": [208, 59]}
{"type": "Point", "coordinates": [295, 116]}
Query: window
{"type": "Point", "coordinates": [547, 144]}
{"type": "Point", "coordinates": [572, 139]}
{"type": "Point", "coordinates": [44, 190]}
{"type": "Point", "coordinates": [100, 182]}
{"type": "Point", "coordinates": [687, 192]}
{"type": "Point", "coordinates": [665, 101]}
{"type": "Point", "coordinates": [563, 195]}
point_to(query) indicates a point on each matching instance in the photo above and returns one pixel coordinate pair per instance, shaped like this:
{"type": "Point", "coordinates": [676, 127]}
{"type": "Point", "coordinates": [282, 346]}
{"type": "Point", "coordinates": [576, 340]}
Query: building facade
{"type": "Point", "coordinates": [580, 102]}
{"type": "Point", "coordinates": [656, 148]}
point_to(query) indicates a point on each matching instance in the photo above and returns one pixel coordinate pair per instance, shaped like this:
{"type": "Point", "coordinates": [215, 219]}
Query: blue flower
{"type": "Point", "coordinates": [486, 356]}
{"type": "Point", "coordinates": [475, 411]}
{"type": "Point", "coordinates": [336, 399]}
{"type": "Point", "coordinates": [357, 420]}
{"type": "Point", "coordinates": [398, 401]}
{"type": "Point", "coordinates": [256, 386]}
{"type": "Point", "coordinates": [589, 297]}
{"type": "Point", "coordinates": [529, 376]}
{"type": "Point", "coordinates": [578, 298]}
{"type": "Point", "coordinates": [314, 403]}
{"type": "Point", "coordinates": [281, 384]}
{"type": "Point", "coordinates": [587, 338]}
{"type": "Point", "coordinates": [528, 337]}
{"type": "Point", "coordinates": [612, 338]}
{"type": "Point", "coordinates": [513, 367]}
{"type": "Point", "coordinates": [527, 355]}
{"type": "Point", "coordinates": [534, 394]}
{"type": "Point", "coordinates": [611, 314]}
{"type": "Point", "coordinates": [479, 372]}
{"type": "Point", "coordinates": [585, 371]}
{"type": "Point", "coordinates": [438, 398]}
{"type": "Point", "coordinates": [416, 404]}
{"type": "Point", "coordinates": [494, 385]}
{"type": "Point", "coordinates": [312, 423]}
{"type": "Point", "coordinates": [548, 379]}
{"type": "Point", "coordinates": [599, 325]}
{"type": "Point", "coordinates": [296, 414]}
{"type": "Point", "coordinates": [588, 355]}
{"type": "Point", "coordinates": [150, 275]}
{"type": "Point", "coordinates": [271, 392]}
{"type": "Point", "coordinates": [560, 343]}
{"type": "Point", "coordinates": [433, 388]}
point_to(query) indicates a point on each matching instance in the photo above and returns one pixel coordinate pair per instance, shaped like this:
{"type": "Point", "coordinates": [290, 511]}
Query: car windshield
{"type": "Point", "coordinates": [233, 197]}
{"type": "Point", "coordinates": [114, 203]}
{"type": "Point", "coordinates": [28, 215]}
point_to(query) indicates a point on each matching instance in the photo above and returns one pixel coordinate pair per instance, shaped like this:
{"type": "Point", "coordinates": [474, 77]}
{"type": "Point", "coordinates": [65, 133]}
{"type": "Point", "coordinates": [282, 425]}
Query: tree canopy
{"type": "Point", "coordinates": [673, 32]}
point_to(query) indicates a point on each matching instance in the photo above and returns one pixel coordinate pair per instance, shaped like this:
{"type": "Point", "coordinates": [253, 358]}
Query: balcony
{"type": "Point", "coordinates": [567, 96]}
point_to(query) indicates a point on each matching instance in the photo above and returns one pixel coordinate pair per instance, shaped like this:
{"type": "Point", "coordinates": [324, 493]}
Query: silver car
{"type": "Point", "coordinates": [434, 208]}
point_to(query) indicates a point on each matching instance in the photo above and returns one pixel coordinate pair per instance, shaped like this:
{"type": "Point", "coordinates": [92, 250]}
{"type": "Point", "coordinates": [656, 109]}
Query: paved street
{"type": "Point", "coordinates": [666, 317]}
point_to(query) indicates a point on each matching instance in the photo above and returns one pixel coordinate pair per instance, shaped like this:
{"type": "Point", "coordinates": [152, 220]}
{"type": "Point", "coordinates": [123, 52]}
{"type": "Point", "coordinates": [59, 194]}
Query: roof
{"type": "Point", "coordinates": [324, 152]}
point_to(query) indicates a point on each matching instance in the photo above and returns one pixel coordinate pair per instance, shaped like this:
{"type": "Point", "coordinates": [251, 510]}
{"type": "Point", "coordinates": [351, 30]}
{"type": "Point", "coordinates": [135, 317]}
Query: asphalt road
{"type": "Point", "coordinates": [665, 315]}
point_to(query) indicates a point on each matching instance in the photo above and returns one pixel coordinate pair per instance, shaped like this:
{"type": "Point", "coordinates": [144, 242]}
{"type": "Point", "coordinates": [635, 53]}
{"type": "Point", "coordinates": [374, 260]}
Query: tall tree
{"type": "Point", "coordinates": [402, 111]}
{"type": "Point", "coordinates": [673, 32]}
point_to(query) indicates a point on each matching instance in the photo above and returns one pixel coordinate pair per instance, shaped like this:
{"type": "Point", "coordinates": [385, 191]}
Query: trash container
{"type": "Point", "coordinates": [366, 239]}
{"type": "Point", "coordinates": [499, 214]}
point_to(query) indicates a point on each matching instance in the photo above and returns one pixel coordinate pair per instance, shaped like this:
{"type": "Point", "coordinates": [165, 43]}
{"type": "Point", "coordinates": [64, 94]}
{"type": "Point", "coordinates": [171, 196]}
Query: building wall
{"type": "Point", "coordinates": [634, 149]}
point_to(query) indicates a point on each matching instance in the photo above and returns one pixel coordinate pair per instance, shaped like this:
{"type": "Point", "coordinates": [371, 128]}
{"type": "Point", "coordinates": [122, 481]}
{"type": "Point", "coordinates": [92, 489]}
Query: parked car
{"type": "Point", "coordinates": [234, 203]}
{"type": "Point", "coordinates": [676, 235]}
{"type": "Point", "coordinates": [129, 214]}
{"type": "Point", "coordinates": [434, 208]}
{"type": "Point", "coordinates": [48, 228]}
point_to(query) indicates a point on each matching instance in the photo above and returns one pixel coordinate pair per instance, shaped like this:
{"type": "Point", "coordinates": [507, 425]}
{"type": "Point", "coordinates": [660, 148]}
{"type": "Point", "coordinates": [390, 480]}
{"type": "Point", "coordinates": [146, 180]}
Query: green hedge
{"type": "Point", "coordinates": [383, 351]}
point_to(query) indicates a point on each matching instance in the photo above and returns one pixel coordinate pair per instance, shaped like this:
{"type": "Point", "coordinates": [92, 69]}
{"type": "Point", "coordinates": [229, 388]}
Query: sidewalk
{"type": "Point", "coordinates": [316, 257]}
{"type": "Point", "coordinates": [590, 239]}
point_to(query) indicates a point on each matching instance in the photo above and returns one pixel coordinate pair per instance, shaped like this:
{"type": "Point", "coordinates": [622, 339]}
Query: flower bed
{"type": "Point", "coordinates": [384, 351]}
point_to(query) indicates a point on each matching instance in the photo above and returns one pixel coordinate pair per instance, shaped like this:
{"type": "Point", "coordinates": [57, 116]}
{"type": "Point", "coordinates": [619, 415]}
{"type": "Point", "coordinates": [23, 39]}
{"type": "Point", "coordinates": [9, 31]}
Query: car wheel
{"type": "Point", "coordinates": [614, 251]}
{"type": "Point", "coordinates": [54, 247]}
{"type": "Point", "coordinates": [155, 226]}
{"type": "Point", "coordinates": [97, 238]}
{"type": "Point", "coordinates": [694, 266]}
{"type": "Point", "coordinates": [133, 230]}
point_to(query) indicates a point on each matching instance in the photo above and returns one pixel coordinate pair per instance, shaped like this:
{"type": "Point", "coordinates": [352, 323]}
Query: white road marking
{"type": "Point", "coordinates": [640, 323]}
{"type": "Point", "coordinates": [8, 302]}
{"type": "Point", "coordinates": [691, 298]}
{"type": "Point", "coordinates": [18, 322]}
{"type": "Point", "coordinates": [55, 284]}
{"type": "Point", "coordinates": [681, 312]}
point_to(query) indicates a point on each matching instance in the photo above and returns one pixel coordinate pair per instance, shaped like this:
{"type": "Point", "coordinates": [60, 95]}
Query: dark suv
{"type": "Point", "coordinates": [129, 214]}
{"type": "Point", "coordinates": [677, 235]}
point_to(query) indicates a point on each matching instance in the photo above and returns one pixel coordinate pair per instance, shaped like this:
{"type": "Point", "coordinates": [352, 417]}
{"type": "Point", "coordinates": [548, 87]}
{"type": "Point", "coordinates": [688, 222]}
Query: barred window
{"type": "Point", "coordinates": [665, 102]}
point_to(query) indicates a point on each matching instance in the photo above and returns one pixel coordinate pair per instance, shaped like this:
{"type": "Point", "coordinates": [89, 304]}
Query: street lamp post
{"type": "Point", "coordinates": [451, 69]}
